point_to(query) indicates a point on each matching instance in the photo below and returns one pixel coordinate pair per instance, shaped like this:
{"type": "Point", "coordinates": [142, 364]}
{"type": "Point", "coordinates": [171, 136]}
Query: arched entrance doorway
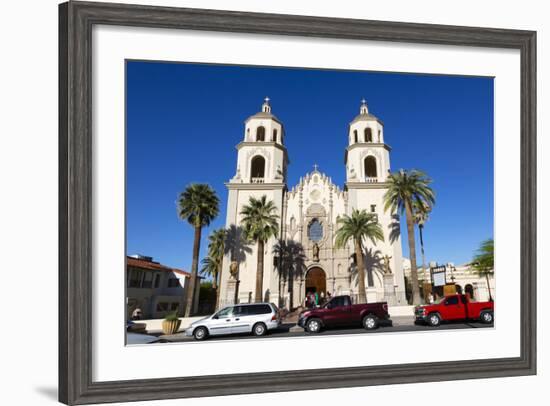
{"type": "Point", "coordinates": [316, 281]}
{"type": "Point", "coordinates": [470, 291]}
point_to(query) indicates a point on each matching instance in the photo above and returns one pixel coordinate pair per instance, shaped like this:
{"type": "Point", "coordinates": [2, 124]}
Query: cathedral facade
{"type": "Point", "coordinates": [308, 219]}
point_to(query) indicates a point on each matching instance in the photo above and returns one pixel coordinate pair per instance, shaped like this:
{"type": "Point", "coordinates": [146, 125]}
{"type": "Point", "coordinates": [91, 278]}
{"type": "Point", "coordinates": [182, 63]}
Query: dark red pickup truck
{"type": "Point", "coordinates": [340, 312]}
{"type": "Point", "coordinates": [454, 307]}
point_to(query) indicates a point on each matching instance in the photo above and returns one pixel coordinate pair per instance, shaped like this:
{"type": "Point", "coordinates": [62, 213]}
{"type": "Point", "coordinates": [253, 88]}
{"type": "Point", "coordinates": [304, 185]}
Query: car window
{"type": "Point", "coordinates": [259, 309]}
{"type": "Point", "coordinates": [339, 301]}
{"type": "Point", "coordinates": [452, 300]}
{"type": "Point", "coordinates": [241, 310]}
{"type": "Point", "coordinates": [225, 312]}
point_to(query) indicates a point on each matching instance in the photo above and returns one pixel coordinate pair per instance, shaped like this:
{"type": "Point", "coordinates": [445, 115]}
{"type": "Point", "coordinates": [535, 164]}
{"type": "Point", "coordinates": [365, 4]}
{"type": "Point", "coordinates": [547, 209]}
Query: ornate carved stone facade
{"type": "Point", "coordinates": [304, 256]}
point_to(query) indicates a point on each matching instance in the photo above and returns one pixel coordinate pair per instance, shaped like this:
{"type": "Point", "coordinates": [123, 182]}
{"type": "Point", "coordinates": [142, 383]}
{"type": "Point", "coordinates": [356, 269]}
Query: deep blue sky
{"type": "Point", "coordinates": [184, 121]}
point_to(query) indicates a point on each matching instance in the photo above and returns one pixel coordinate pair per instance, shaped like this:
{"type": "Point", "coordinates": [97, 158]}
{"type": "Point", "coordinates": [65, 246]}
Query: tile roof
{"type": "Point", "coordinates": [155, 266]}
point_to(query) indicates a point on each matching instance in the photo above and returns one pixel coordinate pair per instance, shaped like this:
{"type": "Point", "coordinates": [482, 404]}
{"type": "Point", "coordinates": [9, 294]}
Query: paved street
{"type": "Point", "coordinates": [400, 324]}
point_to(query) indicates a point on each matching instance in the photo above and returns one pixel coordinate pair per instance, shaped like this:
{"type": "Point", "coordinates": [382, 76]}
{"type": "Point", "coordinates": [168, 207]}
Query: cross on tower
{"type": "Point", "coordinates": [363, 101]}
{"type": "Point", "coordinates": [267, 99]}
{"type": "Point", "coordinates": [315, 166]}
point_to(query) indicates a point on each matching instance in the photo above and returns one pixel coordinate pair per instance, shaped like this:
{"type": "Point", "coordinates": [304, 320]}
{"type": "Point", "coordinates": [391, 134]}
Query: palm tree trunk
{"type": "Point", "coordinates": [360, 273]}
{"type": "Point", "coordinates": [412, 253]}
{"type": "Point", "coordinates": [215, 281]}
{"type": "Point", "coordinates": [260, 273]}
{"type": "Point", "coordinates": [280, 297]}
{"type": "Point", "coordinates": [218, 287]}
{"type": "Point", "coordinates": [290, 289]}
{"type": "Point", "coordinates": [488, 287]}
{"type": "Point", "coordinates": [190, 300]}
{"type": "Point", "coordinates": [426, 274]}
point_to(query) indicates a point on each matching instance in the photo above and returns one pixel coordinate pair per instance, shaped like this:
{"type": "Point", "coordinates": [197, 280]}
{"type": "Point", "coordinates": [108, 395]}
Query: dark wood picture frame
{"type": "Point", "coordinates": [76, 20]}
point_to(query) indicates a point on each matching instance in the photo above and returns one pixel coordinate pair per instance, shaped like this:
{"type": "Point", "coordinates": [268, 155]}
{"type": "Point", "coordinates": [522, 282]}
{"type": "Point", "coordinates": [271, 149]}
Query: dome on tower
{"type": "Point", "coordinates": [364, 114]}
{"type": "Point", "coordinates": [265, 112]}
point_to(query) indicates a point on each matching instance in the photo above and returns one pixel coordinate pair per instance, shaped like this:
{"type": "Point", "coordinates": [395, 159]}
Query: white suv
{"type": "Point", "coordinates": [256, 318]}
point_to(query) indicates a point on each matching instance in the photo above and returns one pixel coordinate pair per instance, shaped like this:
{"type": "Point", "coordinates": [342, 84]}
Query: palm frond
{"type": "Point", "coordinates": [198, 204]}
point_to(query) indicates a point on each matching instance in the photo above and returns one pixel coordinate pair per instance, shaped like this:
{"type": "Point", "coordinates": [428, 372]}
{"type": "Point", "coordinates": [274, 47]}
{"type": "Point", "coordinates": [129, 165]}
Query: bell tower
{"type": "Point", "coordinates": [367, 156]}
{"type": "Point", "coordinates": [367, 160]}
{"type": "Point", "coordinates": [261, 170]}
{"type": "Point", "coordinates": [262, 156]}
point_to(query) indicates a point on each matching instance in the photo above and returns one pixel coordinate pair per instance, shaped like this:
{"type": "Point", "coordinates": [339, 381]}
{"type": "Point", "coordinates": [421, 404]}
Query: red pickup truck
{"type": "Point", "coordinates": [454, 307]}
{"type": "Point", "coordinates": [340, 312]}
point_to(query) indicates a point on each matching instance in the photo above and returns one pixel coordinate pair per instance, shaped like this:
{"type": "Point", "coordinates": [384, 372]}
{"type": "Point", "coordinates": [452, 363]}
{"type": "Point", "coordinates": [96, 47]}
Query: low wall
{"type": "Point", "coordinates": [155, 325]}
{"type": "Point", "coordinates": [401, 310]}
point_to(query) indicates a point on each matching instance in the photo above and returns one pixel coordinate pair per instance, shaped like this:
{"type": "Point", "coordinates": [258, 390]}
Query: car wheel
{"type": "Point", "coordinates": [434, 320]}
{"type": "Point", "coordinates": [313, 325]}
{"type": "Point", "coordinates": [259, 329]}
{"type": "Point", "coordinates": [487, 317]}
{"type": "Point", "coordinates": [370, 322]}
{"type": "Point", "coordinates": [200, 333]}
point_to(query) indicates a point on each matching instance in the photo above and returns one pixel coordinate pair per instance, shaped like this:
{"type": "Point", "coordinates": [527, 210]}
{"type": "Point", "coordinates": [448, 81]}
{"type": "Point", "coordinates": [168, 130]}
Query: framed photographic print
{"type": "Point", "coordinates": [260, 202]}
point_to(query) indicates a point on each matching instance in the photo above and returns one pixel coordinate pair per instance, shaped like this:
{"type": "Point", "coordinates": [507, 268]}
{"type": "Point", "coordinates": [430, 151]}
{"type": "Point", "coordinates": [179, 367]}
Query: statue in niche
{"type": "Point", "coordinates": [387, 269]}
{"type": "Point", "coordinates": [352, 173]}
{"type": "Point", "coordinates": [315, 251]}
{"type": "Point", "coordinates": [233, 269]}
{"type": "Point", "coordinates": [278, 172]}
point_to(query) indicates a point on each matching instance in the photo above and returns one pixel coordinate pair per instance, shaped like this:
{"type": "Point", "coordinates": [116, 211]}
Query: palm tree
{"type": "Point", "coordinates": [360, 225]}
{"type": "Point", "coordinates": [237, 247]}
{"type": "Point", "coordinates": [484, 262]}
{"type": "Point", "coordinates": [407, 188]}
{"type": "Point", "coordinates": [290, 264]}
{"type": "Point", "coordinates": [210, 268]}
{"type": "Point", "coordinates": [260, 223]}
{"type": "Point", "coordinates": [199, 205]}
{"type": "Point", "coordinates": [216, 251]}
{"type": "Point", "coordinates": [421, 215]}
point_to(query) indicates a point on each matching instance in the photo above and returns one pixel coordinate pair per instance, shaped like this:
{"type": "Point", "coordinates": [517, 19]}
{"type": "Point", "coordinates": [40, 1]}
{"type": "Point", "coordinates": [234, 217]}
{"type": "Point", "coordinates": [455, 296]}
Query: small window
{"type": "Point", "coordinates": [257, 167]}
{"type": "Point", "coordinates": [274, 137]}
{"type": "Point", "coordinates": [147, 280]}
{"type": "Point", "coordinates": [157, 281]}
{"type": "Point", "coordinates": [162, 307]}
{"type": "Point", "coordinates": [174, 306]}
{"type": "Point", "coordinates": [355, 136]}
{"type": "Point", "coordinates": [260, 134]}
{"type": "Point", "coordinates": [135, 279]}
{"type": "Point", "coordinates": [370, 167]}
{"type": "Point", "coordinates": [452, 300]}
{"type": "Point", "coordinates": [173, 283]}
{"type": "Point", "coordinates": [368, 135]}
{"type": "Point", "coordinates": [373, 208]}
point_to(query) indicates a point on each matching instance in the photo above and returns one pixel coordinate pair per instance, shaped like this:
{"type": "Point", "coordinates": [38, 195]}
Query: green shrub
{"type": "Point", "coordinates": [172, 316]}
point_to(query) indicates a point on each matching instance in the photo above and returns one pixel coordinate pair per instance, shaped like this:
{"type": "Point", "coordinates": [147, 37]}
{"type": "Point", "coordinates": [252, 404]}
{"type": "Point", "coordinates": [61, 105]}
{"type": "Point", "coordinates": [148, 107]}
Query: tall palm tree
{"type": "Point", "coordinates": [421, 215]}
{"type": "Point", "coordinates": [357, 227]}
{"type": "Point", "coordinates": [290, 264]}
{"type": "Point", "coordinates": [484, 262]}
{"type": "Point", "coordinates": [199, 205]}
{"type": "Point", "coordinates": [260, 223]}
{"type": "Point", "coordinates": [407, 188]}
{"type": "Point", "coordinates": [216, 251]}
{"type": "Point", "coordinates": [237, 247]}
